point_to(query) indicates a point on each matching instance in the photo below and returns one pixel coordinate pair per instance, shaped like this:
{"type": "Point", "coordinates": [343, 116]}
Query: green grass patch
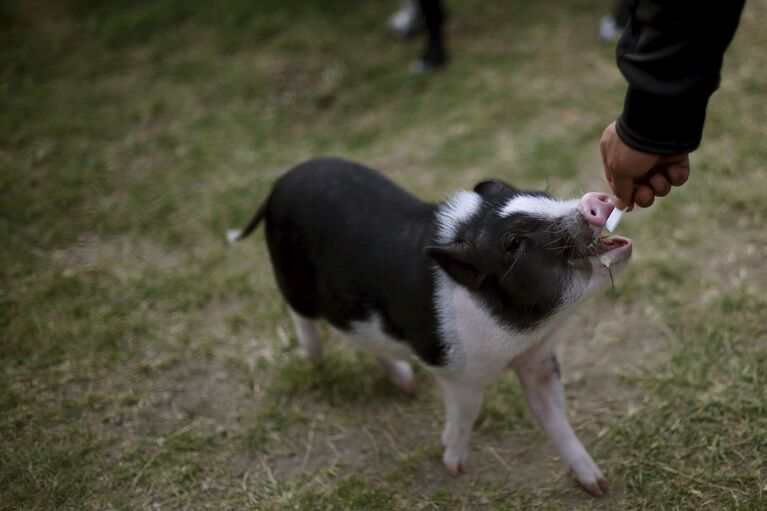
{"type": "Point", "coordinates": [699, 436]}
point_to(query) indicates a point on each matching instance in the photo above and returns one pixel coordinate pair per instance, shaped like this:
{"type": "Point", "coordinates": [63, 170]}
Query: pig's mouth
{"type": "Point", "coordinates": [601, 246]}
{"type": "Point", "coordinates": [610, 250]}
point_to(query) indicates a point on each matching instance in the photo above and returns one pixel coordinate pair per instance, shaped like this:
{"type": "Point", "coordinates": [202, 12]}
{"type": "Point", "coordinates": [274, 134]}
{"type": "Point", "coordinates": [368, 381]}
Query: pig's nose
{"type": "Point", "coordinates": [596, 207]}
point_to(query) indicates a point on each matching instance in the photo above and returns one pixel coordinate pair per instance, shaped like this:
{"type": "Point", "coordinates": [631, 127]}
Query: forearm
{"type": "Point", "coordinates": [671, 55]}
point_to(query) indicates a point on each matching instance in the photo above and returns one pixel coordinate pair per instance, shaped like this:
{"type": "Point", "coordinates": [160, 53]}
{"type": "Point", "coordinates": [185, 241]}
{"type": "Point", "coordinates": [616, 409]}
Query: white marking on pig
{"type": "Point", "coordinates": [454, 211]}
{"type": "Point", "coordinates": [543, 207]}
{"type": "Point", "coordinates": [479, 348]}
{"type": "Point", "coordinates": [308, 335]}
{"type": "Point", "coordinates": [370, 337]}
{"type": "Point", "coordinates": [400, 373]}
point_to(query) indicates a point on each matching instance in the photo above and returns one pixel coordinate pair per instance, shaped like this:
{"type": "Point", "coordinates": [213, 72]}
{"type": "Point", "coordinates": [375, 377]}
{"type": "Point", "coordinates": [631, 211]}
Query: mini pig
{"type": "Point", "coordinates": [469, 287]}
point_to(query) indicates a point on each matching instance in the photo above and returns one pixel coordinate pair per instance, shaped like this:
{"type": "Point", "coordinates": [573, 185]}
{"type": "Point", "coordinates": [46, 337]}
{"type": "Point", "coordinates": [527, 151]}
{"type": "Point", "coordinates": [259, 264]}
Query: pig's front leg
{"type": "Point", "coordinates": [539, 373]}
{"type": "Point", "coordinates": [462, 404]}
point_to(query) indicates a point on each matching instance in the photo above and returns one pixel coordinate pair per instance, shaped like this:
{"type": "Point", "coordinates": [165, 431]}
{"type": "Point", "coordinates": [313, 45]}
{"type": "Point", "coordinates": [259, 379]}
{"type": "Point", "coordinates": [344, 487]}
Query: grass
{"type": "Point", "coordinates": [144, 364]}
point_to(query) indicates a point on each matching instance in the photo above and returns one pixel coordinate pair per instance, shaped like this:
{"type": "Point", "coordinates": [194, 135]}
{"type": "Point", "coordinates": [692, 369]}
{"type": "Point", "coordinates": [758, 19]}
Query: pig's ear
{"type": "Point", "coordinates": [493, 187]}
{"type": "Point", "coordinates": [455, 259]}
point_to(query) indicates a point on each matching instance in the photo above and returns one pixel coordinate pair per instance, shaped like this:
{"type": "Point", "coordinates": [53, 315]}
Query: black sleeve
{"type": "Point", "coordinates": [671, 54]}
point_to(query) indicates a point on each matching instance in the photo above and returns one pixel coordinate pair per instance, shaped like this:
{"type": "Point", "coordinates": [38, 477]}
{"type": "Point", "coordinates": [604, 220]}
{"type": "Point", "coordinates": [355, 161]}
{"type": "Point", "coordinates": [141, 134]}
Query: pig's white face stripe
{"type": "Point", "coordinates": [454, 211]}
{"type": "Point", "coordinates": [543, 207]}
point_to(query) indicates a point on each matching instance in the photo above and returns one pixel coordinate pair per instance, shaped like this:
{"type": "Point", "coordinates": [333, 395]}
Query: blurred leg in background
{"type": "Point", "coordinates": [412, 18]}
{"type": "Point", "coordinates": [434, 55]}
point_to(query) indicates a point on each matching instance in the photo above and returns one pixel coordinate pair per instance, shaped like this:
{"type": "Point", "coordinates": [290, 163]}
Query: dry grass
{"type": "Point", "coordinates": [147, 365]}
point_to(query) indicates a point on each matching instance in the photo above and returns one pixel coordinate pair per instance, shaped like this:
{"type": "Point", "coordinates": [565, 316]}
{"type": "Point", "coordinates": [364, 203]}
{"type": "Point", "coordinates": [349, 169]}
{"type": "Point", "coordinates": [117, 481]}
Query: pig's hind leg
{"type": "Point", "coordinates": [308, 335]}
{"type": "Point", "coordinates": [369, 336]}
{"type": "Point", "coordinates": [399, 371]}
{"type": "Point", "coordinates": [539, 373]}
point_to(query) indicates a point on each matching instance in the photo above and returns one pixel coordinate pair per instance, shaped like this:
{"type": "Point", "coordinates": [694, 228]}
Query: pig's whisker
{"type": "Point", "coordinates": [511, 267]}
{"type": "Point", "coordinates": [560, 248]}
{"type": "Point", "coordinates": [568, 242]}
{"type": "Point", "coordinates": [557, 228]}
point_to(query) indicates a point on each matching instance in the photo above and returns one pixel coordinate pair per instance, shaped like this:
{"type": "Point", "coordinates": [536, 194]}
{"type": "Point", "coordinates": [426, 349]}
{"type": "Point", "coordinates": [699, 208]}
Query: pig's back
{"type": "Point", "coordinates": [345, 242]}
{"type": "Point", "coordinates": [332, 192]}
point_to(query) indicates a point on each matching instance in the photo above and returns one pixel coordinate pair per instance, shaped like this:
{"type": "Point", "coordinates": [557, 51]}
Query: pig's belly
{"type": "Point", "coordinates": [370, 337]}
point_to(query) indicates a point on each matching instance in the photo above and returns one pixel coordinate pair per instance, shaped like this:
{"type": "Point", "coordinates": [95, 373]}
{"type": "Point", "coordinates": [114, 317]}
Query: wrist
{"type": "Point", "coordinates": [661, 125]}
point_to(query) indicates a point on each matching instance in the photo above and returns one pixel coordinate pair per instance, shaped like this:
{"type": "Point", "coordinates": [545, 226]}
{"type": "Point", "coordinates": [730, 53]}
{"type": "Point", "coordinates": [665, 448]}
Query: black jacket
{"type": "Point", "coordinates": [671, 54]}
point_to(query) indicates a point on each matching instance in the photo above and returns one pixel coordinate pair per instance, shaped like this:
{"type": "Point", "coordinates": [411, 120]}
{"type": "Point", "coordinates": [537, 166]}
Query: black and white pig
{"type": "Point", "coordinates": [470, 287]}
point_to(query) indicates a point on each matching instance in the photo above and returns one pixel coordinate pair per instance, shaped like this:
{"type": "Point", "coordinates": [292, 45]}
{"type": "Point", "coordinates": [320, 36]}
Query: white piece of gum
{"type": "Point", "coordinates": [614, 219]}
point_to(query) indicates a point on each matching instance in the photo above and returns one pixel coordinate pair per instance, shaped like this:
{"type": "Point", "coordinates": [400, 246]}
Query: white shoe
{"type": "Point", "coordinates": [609, 29]}
{"type": "Point", "coordinates": [407, 21]}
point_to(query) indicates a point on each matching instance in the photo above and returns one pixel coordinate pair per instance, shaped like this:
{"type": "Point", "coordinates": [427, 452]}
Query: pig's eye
{"type": "Point", "coordinates": [514, 242]}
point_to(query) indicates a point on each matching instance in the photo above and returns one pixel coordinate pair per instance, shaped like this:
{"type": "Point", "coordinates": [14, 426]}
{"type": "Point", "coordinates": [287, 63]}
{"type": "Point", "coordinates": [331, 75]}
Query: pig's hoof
{"type": "Point", "coordinates": [596, 487]}
{"type": "Point", "coordinates": [456, 461]}
{"type": "Point", "coordinates": [590, 477]}
{"type": "Point", "coordinates": [447, 434]}
{"type": "Point", "coordinates": [402, 375]}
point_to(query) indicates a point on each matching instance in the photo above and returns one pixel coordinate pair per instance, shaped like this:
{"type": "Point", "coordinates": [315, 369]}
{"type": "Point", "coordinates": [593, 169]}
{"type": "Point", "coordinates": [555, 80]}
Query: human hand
{"type": "Point", "coordinates": [636, 176]}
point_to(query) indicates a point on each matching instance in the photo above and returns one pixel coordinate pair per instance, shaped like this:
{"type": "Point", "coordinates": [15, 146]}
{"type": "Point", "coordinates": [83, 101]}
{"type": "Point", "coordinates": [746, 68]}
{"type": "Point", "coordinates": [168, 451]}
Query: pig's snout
{"type": "Point", "coordinates": [596, 207]}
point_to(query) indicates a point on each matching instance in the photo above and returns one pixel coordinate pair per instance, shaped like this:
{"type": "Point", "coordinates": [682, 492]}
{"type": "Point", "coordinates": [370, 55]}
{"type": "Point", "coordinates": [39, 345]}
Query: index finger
{"type": "Point", "coordinates": [623, 189]}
